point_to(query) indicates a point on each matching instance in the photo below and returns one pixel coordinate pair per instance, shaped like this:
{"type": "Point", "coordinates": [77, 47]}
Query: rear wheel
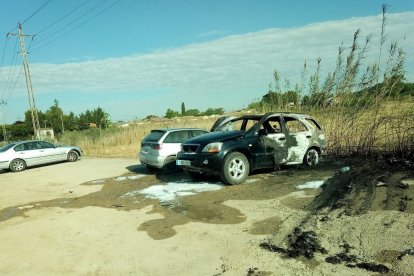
{"type": "Point", "coordinates": [17, 165]}
{"type": "Point", "coordinates": [72, 156]}
{"type": "Point", "coordinates": [235, 168]}
{"type": "Point", "coordinates": [311, 157]}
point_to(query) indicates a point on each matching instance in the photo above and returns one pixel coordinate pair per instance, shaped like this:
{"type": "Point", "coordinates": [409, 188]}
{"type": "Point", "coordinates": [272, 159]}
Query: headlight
{"type": "Point", "coordinates": [213, 147]}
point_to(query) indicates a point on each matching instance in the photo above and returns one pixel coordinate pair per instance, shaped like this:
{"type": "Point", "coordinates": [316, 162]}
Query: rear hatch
{"type": "Point", "coordinates": [150, 144]}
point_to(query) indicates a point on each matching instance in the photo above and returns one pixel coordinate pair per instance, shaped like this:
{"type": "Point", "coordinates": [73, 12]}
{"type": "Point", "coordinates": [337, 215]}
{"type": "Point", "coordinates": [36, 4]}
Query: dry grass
{"type": "Point", "coordinates": [125, 141]}
{"type": "Point", "coordinates": [347, 132]}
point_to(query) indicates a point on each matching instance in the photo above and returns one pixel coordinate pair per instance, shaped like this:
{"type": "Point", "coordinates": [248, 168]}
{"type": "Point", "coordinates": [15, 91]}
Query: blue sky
{"type": "Point", "coordinates": [135, 58]}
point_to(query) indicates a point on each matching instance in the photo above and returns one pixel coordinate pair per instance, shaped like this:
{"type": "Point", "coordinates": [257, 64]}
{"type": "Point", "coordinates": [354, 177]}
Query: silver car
{"type": "Point", "coordinates": [20, 155]}
{"type": "Point", "coordinates": [159, 148]}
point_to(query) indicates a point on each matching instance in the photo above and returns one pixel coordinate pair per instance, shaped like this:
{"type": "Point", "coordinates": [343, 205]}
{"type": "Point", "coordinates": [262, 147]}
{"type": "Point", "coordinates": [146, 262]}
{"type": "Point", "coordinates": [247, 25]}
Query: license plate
{"type": "Point", "coordinates": [183, 162]}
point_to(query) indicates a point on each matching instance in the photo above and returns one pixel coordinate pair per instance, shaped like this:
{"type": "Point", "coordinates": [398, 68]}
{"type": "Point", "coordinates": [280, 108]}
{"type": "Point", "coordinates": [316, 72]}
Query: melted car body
{"type": "Point", "coordinates": [239, 145]}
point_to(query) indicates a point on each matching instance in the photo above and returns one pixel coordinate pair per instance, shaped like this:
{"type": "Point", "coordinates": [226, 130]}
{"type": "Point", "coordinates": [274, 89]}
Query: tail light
{"type": "Point", "coordinates": [157, 146]}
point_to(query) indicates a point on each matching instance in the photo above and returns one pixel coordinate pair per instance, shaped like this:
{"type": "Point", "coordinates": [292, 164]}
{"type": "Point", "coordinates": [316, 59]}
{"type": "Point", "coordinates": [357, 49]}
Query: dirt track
{"type": "Point", "coordinates": [83, 218]}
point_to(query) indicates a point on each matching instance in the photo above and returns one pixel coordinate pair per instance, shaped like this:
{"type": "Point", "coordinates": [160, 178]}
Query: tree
{"type": "Point", "coordinates": [213, 111]}
{"type": "Point", "coordinates": [192, 112]}
{"type": "Point", "coordinates": [182, 109]}
{"type": "Point", "coordinates": [54, 117]}
{"type": "Point", "coordinates": [171, 114]}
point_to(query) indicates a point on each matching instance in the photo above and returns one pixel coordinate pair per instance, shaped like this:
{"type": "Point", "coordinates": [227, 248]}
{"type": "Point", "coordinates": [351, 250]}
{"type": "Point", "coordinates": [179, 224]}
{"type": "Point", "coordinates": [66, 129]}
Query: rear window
{"type": "Point", "coordinates": [177, 137]}
{"type": "Point", "coordinates": [154, 136]}
{"type": "Point", "coordinates": [3, 149]}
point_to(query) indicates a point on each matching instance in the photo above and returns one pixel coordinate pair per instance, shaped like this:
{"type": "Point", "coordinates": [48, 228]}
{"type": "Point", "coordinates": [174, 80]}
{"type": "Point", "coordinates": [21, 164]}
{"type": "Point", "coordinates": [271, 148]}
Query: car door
{"type": "Point", "coordinates": [273, 137]}
{"type": "Point", "coordinates": [298, 139]}
{"type": "Point", "coordinates": [29, 152]}
{"type": "Point", "coordinates": [50, 152]}
{"type": "Point", "coordinates": [255, 141]}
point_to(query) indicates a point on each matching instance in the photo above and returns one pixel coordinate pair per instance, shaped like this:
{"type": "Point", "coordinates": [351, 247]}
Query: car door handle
{"type": "Point", "coordinates": [282, 138]}
{"type": "Point", "coordinates": [308, 136]}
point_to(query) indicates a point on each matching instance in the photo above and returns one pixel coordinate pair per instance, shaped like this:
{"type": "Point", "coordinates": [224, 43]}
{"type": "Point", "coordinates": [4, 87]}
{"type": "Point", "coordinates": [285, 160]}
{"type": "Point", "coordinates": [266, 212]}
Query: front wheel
{"type": "Point", "coordinates": [311, 157]}
{"type": "Point", "coordinates": [235, 168]}
{"type": "Point", "coordinates": [17, 165]}
{"type": "Point", "coordinates": [72, 156]}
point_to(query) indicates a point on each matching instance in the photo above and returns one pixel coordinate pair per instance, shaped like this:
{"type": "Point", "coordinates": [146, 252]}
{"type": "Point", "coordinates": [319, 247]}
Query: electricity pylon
{"type": "Point", "coordinates": [33, 110]}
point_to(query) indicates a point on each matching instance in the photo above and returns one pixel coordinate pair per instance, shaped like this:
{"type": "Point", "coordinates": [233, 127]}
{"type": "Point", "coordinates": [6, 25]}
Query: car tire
{"type": "Point", "coordinates": [17, 165]}
{"type": "Point", "coordinates": [72, 156]}
{"type": "Point", "coordinates": [311, 157]}
{"type": "Point", "coordinates": [169, 165]}
{"type": "Point", "coordinates": [235, 168]}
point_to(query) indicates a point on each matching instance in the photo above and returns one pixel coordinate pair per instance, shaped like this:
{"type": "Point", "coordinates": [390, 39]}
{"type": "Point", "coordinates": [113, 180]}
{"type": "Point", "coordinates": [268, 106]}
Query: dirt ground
{"type": "Point", "coordinates": [93, 217]}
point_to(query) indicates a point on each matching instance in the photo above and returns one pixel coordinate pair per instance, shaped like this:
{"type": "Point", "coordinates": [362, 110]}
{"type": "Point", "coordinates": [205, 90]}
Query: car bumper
{"type": "Point", "coordinates": [4, 165]}
{"type": "Point", "coordinates": [154, 161]}
{"type": "Point", "coordinates": [201, 163]}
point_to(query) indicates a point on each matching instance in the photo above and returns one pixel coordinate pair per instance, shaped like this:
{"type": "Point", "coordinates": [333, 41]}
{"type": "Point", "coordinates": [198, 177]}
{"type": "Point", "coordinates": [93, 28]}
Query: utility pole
{"type": "Point", "coordinates": [33, 110]}
{"type": "Point", "coordinates": [2, 104]}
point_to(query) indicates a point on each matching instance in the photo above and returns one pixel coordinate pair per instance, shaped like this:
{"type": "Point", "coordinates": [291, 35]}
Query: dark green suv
{"type": "Point", "coordinates": [237, 146]}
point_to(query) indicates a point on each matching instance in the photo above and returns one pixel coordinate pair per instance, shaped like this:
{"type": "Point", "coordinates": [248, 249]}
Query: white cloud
{"type": "Point", "coordinates": [229, 72]}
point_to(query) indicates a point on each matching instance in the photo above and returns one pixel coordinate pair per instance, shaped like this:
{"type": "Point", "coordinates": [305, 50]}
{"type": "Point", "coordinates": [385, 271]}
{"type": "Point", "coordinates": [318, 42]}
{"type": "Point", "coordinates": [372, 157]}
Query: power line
{"type": "Point", "coordinates": [73, 21]}
{"type": "Point", "coordinates": [12, 70]}
{"type": "Point", "coordinates": [75, 27]}
{"type": "Point", "coordinates": [36, 11]}
{"type": "Point", "coordinates": [4, 53]}
{"type": "Point", "coordinates": [2, 59]}
{"type": "Point", "coordinates": [33, 14]}
{"type": "Point", "coordinates": [63, 17]}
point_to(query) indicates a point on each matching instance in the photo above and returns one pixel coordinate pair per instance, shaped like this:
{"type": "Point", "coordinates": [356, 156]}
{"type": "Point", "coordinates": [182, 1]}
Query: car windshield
{"type": "Point", "coordinates": [154, 136]}
{"type": "Point", "coordinates": [6, 147]}
{"type": "Point", "coordinates": [241, 124]}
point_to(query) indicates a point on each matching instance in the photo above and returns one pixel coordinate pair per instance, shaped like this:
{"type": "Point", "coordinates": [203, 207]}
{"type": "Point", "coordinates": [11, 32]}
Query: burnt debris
{"type": "Point", "coordinates": [300, 244]}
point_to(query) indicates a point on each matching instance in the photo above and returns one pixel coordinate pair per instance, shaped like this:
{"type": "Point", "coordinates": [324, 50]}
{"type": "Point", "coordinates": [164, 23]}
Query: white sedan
{"type": "Point", "coordinates": [20, 155]}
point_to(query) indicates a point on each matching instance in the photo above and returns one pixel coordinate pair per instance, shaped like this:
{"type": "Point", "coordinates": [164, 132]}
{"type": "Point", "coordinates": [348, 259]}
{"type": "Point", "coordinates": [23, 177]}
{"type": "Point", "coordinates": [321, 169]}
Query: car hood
{"type": "Point", "coordinates": [217, 136]}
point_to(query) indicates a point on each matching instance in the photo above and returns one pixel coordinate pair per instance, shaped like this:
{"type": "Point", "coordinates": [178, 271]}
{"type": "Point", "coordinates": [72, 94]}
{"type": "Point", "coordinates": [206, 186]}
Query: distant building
{"type": "Point", "coordinates": [47, 133]}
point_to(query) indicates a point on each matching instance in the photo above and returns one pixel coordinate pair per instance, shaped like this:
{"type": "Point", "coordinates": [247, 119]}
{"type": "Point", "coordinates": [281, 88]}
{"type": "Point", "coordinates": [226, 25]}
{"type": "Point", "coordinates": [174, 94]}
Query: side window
{"type": "Point", "coordinates": [293, 125]}
{"type": "Point", "coordinates": [236, 125]}
{"type": "Point", "coordinates": [313, 123]}
{"type": "Point", "coordinates": [20, 147]}
{"type": "Point", "coordinates": [249, 124]}
{"type": "Point", "coordinates": [45, 145]}
{"type": "Point", "coordinates": [30, 146]}
{"type": "Point", "coordinates": [273, 125]}
{"type": "Point", "coordinates": [177, 137]}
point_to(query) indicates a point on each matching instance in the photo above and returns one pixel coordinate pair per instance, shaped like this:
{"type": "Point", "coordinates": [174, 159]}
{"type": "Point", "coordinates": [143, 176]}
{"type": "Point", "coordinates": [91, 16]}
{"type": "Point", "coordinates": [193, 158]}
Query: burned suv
{"type": "Point", "coordinates": [238, 146]}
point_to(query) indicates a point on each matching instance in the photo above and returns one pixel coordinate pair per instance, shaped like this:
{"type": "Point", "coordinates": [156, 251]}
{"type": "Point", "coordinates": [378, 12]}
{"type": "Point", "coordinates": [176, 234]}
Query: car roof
{"type": "Point", "coordinates": [177, 129]}
{"type": "Point", "coordinates": [259, 116]}
{"type": "Point", "coordinates": [25, 141]}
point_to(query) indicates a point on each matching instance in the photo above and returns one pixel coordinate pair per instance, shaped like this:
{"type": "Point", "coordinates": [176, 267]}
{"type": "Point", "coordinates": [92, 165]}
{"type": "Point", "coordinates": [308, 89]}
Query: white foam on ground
{"type": "Point", "coordinates": [311, 185]}
{"type": "Point", "coordinates": [130, 177]}
{"type": "Point", "coordinates": [171, 190]}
